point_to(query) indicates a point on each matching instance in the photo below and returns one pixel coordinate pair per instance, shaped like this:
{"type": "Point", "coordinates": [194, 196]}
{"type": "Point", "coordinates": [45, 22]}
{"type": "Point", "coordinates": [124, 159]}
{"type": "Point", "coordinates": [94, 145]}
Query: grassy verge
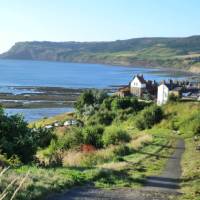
{"type": "Point", "coordinates": [133, 169]}
{"type": "Point", "coordinates": [191, 172]}
{"type": "Point", "coordinates": [129, 171]}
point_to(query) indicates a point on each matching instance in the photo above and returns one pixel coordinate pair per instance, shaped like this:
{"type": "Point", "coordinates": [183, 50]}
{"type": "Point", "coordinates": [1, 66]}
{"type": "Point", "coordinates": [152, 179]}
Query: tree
{"type": "Point", "coordinates": [88, 99]}
{"type": "Point", "coordinates": [16, 138]}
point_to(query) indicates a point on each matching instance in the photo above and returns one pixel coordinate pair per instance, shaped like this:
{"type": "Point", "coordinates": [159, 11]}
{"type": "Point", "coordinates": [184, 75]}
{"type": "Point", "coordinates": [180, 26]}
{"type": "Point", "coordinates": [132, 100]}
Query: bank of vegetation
{"type": "Point", "coordinates": [119, 142]}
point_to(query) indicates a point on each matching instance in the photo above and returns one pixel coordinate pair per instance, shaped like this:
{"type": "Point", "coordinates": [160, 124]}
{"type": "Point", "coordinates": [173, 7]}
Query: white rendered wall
{"type": "Point", "coordinates": [137, 84]}
{"type": "Point", "coordinates": [163, 94]}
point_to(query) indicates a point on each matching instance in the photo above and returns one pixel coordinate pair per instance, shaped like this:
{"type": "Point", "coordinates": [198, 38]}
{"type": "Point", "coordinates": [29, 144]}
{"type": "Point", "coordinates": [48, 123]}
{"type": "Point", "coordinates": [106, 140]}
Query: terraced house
{"type": "Point", "coordinates": [139, 87]}
{"type": "Point", "coordinates": [146, 89]}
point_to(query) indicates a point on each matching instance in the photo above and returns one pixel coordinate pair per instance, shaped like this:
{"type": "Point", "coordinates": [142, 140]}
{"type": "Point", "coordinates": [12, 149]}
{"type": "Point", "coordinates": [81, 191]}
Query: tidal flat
{"type": "Point", "coordinates": [40, 97]}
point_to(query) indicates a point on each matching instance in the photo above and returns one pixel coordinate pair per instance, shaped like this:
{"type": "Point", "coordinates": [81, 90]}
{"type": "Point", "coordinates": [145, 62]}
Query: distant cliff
{"type": "Point", "coordinates": [181, 53]}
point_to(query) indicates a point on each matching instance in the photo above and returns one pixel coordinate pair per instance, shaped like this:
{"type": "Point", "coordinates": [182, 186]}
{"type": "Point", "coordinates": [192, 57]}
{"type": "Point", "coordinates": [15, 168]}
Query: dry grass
{"type": "Point", "coordinates": [77, 158]}
{"type": "Point", "coordinates": [115, 165]}
{"type": "Point", "coordinates": [72, 158]}
{"type": "Point", "coordinates": [138, 142]}
{"type": "Point", "coordinates": [96, 158]}
{"type": "Point", "coordinates": [51, 120]}
{"type": "Point", "coordinates": [12, 185]}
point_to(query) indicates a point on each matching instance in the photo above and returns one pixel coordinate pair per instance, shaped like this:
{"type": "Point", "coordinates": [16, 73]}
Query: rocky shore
{"type": "Point", "coordinates": [40, 97]}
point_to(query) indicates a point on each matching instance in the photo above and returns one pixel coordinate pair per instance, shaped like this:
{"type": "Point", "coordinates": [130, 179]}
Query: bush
{"type": "Point", "coordinates": [121, 103]}
{"type": "Point", "coordinates": [126, 102]}
{"type": "Point", "coordinates": [149, 117]}
{"type": "Point", "coordinates": [122, 150]}
{"type": "Point", "coordinates": [106, 105]}
{"type": "Point", "coordinates": [114, 135]}
{"type": "Point", "coordinates": [89, 98]}
{"type": "Point", "coordinates": [93, 135]}
{"type": "Point", "coordinates": [72, 138]}
{"type": "Point", "coordinates": [16, 138]}
{"type": "Point", "coordinates": [192, 124]}
{"type": "Point", "coordinates": [85, 99]}
{"type": "Point", "coordinates": [173, 98]}
{"type": "Point", "coordinates": [123, 115]}
{"type": "Point", "coordinates": [104, 118]}
{"type": "Point", "coordinates": [53, 154]}
{"type": "Point", "coordinates": [43, 136]}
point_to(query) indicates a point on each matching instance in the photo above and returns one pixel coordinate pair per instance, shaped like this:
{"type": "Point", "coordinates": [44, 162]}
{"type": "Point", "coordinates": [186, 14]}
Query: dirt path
{"type": "Point", "coordinates": [156, 188]}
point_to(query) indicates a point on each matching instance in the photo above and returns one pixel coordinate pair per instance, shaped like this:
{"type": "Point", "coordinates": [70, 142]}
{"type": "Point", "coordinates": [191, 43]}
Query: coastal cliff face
{"type": "Point", "coordinates": [180, 53]}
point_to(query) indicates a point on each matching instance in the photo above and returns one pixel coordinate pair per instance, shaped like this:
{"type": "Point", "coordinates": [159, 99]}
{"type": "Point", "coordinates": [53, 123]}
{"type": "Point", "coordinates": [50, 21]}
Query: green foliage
{"type": "Point", "coordinates": [192, 124]}
{"type": "Point", "coordinates": [115, 135]}
{"type": "Point", "coordinates": [148, 117]}
{"type": "Point", "coordinates": [106, 105]}
{"type": "Point", "coordinates": [102, 117]}
{"type": "Point", "coordinates": [123, 115]}
{"type": "Point", "coordinates": [71, 139]}
{"type": "Point", "coordinates": [16, 138]}
{"type": "Point", "coordinates": [93, 135]}
{"type": "Point", "coordinates": [85, 98]}
{"type": "Point", "coordinates": [124, 103]}
{"type": "Point", "coordinates": [43, 136]}
{"type": "Point", "coordinates": [173, 98]}
{"type": "Point", "coordinates": [89, 100]}
{"type": "Point", "coordinates": [122, 150]}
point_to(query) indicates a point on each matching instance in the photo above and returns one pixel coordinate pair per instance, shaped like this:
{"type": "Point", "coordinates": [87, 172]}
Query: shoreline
{"type": "Point", "coordinates": [29, 97]}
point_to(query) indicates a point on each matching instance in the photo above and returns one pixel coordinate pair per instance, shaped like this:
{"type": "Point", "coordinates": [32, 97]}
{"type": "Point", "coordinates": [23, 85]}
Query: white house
{"type": "Point", "coordinates": [137, 85]}
{"type": "Point", "coordinates": [163, 94]}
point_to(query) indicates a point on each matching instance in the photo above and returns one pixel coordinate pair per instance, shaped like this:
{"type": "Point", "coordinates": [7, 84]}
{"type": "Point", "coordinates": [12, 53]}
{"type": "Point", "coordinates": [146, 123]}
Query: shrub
{"type": "Point", "coordinates": [106, 105]}
{"type": "Point", "coordinates": [173, 98]}
{"type": "Point", "coordinates": [93, 135]}
{"type": "Point", "coordinates": [86, 99]}
{"type": "Point", "coordinates": [149, 117]}
{"type": "Point", "coordinates": [43, 136]}
{"type": "Point", "coordinates": [122, 150]}
{"type": "Point", "coordinates": [99, 96]}
{"type": "Point", "coordinates": [121, 103]}
{"type": "Point", "coordinates": [192, 124]}
{"type": "Point", "coordinates": [16, 138]}
{"type": "Point", "coordinates": [89, 98]}
{"type": "Point", "coordinates": [104, 118]}
{"type": "Point", "coordinates": [127, 102]}
{"type": "Point", "coordinates": [115, 135]}
{"type": "Point", "coordinates": [71, 139]}
{"type": "Point", "coordinates": [122, 115]}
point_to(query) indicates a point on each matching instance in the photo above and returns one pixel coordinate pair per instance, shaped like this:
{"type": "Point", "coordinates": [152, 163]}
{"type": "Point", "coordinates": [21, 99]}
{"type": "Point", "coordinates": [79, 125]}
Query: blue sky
{"type": "Point", "coordinates": [95, 20]}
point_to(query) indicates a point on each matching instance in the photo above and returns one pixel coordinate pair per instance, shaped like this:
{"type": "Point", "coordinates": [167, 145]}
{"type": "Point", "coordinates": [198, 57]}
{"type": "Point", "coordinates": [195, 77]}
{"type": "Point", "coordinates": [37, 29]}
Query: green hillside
{"type": "Point", "coordinates": [180, 53]}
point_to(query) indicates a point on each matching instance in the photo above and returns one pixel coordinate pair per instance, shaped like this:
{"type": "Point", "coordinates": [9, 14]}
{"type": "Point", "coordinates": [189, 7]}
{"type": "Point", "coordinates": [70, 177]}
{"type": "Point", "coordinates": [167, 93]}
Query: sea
{"type": "Point", "coordinates": [69, 75]}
